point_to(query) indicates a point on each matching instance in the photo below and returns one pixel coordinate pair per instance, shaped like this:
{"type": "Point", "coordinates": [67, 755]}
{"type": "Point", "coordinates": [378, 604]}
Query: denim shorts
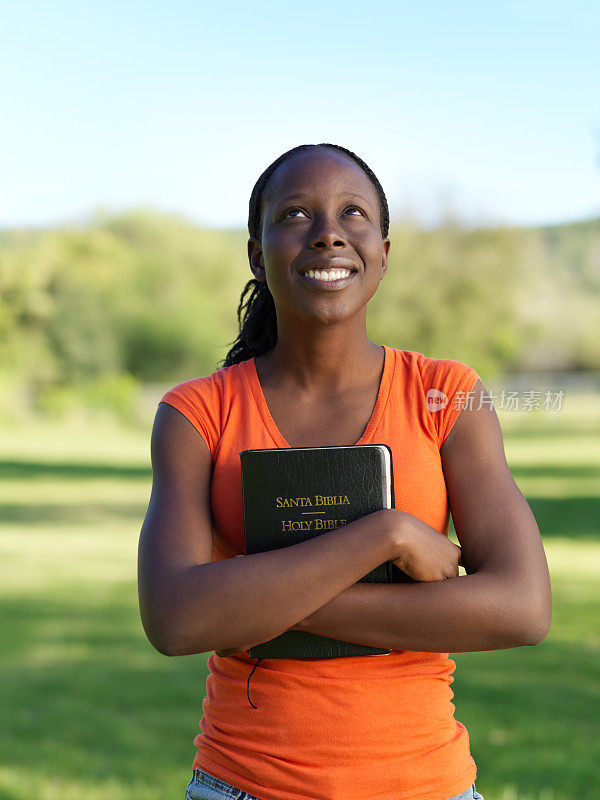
{"type": "Point", "coordinates": [204, 787]}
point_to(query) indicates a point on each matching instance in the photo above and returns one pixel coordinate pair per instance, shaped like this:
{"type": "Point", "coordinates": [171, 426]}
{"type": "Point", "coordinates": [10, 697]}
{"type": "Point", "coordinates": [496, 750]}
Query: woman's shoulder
{"type": "Point", "coordinates": [206, 387]}
{"type": "Point", "coordinates": [204, 400]}
{"type": "Point", "coordinates": [435, 389]}
{"type": "Point", "coordinates": [432, 369]}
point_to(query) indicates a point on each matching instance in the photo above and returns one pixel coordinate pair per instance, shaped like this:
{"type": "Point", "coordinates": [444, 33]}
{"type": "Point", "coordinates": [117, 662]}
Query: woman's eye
{"type": "Point", "coordinates": [294, 212]}
{"type": "Point", "coordinates": [355, 209]}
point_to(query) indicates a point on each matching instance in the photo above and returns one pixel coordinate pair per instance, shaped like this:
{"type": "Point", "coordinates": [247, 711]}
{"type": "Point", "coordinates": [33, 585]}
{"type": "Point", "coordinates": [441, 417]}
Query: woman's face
{"type": "Point", "coordinates": [320, 212]}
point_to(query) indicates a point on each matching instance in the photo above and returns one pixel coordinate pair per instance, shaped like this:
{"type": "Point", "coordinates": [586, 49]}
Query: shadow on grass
{"type": "Point", "coordinates": [568, 517]}
{"type": "Point", "coordinates": [75, 469]}
{"type": "Point", "coordinates": [565, 431]}
{"type": "Point", "coordinates": [564, 517]}
{"type": "Point", "coordinates": [68, 513]}
{"type": "Point", "coordinates": [82, 685]}
{"type": "Point", "coordinates": [558, 472]}
{"type": "Point", "coordinates": [93, 471]}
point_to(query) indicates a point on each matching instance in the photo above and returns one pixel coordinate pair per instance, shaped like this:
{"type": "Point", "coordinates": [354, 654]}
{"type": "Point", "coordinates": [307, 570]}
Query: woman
{"type": "Point", "coordinates": [303, 373]}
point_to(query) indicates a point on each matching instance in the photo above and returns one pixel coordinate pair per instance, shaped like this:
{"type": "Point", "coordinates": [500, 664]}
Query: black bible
{"type": "Point", "coordinates": [292, 494]}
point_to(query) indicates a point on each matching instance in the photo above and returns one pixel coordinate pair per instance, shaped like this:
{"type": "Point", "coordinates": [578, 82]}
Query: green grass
{"type": "Point", "coordinates": [91, 710]}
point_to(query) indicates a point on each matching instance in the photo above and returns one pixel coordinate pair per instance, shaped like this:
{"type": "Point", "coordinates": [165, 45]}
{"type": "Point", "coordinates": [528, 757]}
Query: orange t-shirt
{"type": "Point", "coordinates": [367, 727]}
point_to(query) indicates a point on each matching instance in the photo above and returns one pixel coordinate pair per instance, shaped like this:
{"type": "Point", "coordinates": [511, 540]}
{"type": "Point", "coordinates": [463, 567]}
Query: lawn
{"type": "Point", "coordinates": [91, 711]}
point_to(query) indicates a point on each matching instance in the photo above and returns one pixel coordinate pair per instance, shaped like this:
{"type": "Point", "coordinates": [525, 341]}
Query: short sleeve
{"type": "Point", "coordinates": [446, 384]}
{"type": "Point", "coordinates": [199, 401]}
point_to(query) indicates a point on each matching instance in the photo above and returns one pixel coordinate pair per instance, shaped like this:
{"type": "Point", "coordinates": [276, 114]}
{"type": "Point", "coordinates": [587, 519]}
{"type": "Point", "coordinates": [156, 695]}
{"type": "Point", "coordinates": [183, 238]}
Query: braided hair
{"type": "Point", "coordinates": [257, 320]}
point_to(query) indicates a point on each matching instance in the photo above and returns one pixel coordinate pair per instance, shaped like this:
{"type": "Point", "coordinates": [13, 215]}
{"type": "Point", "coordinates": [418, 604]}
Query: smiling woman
{"type": "Point", "coordinates": [302, 373]}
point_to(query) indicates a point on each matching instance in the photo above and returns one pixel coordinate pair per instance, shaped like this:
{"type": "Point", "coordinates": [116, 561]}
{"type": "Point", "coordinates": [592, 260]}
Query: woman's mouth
{"type": "Point", "coordinates": [328, 278]}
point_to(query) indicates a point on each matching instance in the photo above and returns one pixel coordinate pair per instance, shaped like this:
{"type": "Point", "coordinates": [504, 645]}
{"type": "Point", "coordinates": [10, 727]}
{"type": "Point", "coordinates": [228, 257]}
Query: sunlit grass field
{"type": "Point", "coordinates": [90, 710]}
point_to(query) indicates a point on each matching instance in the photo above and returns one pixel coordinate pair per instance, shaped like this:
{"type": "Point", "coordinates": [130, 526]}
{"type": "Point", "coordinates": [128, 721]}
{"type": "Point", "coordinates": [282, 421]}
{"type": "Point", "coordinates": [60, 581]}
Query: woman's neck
{"type": "Point", "coordinates": [328, 362]}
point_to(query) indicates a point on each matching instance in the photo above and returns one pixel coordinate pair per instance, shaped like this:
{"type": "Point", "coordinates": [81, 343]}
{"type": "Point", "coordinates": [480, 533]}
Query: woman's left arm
{"type": "Point", "coordinates": [503, 601]}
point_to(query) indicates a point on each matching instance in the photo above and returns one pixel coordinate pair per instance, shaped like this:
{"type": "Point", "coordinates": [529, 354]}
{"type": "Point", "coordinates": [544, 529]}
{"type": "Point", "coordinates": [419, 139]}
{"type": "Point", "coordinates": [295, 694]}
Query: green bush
{"type": "Point", "coordinates": [150, 297]}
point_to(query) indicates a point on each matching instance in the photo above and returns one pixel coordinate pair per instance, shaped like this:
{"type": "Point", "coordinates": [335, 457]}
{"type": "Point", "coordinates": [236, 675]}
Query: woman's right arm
{"type": "Point", "coordinates": [190, 604]}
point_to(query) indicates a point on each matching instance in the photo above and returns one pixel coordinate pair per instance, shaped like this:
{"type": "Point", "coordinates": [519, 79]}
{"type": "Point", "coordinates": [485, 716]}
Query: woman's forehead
{"type": "Point", "coordinates": [319, 172]}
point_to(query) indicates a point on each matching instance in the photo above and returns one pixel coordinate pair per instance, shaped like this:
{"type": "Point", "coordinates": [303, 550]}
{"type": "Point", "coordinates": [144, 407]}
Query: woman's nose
{"type": "Point", "coordinates": [326, 234]}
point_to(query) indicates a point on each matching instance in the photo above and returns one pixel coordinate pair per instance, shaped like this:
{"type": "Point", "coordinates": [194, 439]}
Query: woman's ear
{"type": "Point", "coordinates": [384, 258]}
{"type": "Point", "coordinates": [255, 257]}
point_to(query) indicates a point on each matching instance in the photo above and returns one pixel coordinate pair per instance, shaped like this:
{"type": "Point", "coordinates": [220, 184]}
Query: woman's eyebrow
{"type": "Point", "coordinates": [357, 197]}
{"type": "Point", "coordinates": [290, 197]}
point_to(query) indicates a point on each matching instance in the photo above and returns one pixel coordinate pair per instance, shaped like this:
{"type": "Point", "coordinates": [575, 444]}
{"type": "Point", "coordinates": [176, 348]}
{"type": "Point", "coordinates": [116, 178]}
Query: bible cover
{"type": "Point", "coordinates": [292, 494]}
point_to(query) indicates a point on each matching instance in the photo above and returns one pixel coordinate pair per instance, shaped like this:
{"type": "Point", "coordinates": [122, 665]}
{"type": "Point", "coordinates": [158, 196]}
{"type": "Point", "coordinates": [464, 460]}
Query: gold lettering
{"type": "Point", "coordinates": [292, 502]}
{"type": "Point", "coordinates": [292, 525]}
{"type": "Point", "coordinates": [329, 524]}
{"type": "Point", "coordinates": [332, 500]}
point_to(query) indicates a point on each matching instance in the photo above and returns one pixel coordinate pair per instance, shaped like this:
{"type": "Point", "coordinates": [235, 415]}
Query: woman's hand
{"type": "Point", "coordinates": [425, 553]}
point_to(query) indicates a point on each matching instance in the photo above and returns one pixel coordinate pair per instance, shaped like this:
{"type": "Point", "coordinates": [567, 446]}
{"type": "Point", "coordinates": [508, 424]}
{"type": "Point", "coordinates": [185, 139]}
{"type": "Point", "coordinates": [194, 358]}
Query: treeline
{"type": "Point", "coordinates": [146, 297]}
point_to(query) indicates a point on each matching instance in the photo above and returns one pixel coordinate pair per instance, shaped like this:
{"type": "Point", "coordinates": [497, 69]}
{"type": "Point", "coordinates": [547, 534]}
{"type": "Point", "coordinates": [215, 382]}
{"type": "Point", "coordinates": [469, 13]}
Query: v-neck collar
{"type": "Point", "coordinates": [269, 422]}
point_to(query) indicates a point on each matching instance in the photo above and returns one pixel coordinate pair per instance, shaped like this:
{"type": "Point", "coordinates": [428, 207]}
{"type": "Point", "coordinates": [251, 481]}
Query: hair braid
{"type": "Point", "coordinates": [257, 318]}
{"type": "Point", "coordinates": [258, 329]}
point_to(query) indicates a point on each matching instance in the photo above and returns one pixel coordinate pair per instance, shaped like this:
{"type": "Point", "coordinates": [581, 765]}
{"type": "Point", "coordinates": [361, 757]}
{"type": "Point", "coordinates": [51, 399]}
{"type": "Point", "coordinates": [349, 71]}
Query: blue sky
{"type": "Point", "coordinates": [487, 110]}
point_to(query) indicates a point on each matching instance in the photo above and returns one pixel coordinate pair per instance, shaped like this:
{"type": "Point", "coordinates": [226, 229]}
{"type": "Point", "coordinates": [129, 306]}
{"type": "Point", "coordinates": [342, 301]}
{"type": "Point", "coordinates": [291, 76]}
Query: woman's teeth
{"type": "Point", "coordinates": [330, 275]}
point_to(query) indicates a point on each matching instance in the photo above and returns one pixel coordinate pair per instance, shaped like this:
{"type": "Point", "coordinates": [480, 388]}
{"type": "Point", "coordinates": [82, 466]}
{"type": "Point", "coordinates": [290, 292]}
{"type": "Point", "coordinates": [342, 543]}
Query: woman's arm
{"type": "Point", "coordinates": [189, 604]}
{"type": "Point", "coordinates": [503, 601]}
